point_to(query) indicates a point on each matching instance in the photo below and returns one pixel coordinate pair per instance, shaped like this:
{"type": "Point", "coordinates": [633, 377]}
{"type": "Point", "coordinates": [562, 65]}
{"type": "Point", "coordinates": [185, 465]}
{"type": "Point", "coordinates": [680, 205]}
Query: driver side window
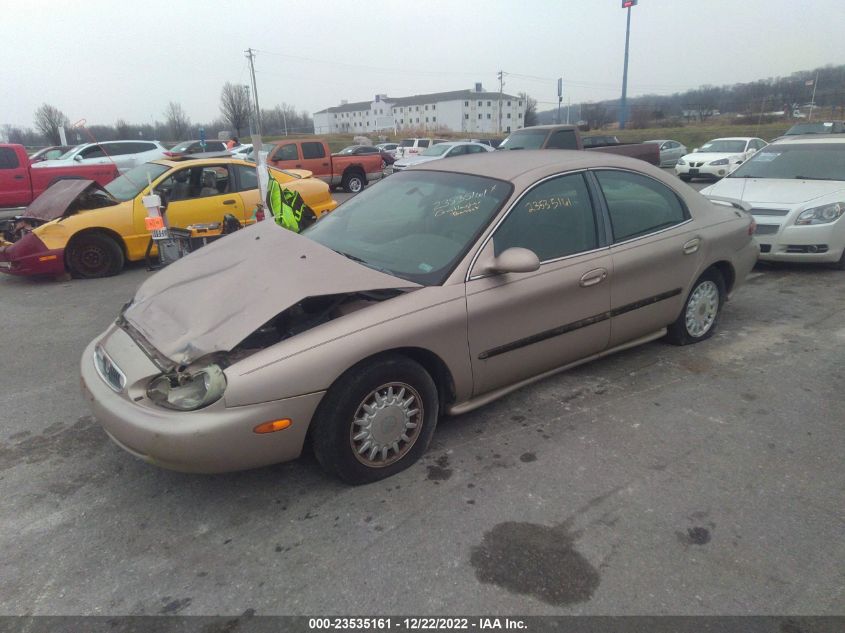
{"type": "Point", "coordinates": [554, 219]}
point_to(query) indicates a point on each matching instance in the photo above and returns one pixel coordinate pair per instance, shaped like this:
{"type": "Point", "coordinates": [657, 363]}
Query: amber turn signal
{"type": "Point", "coordinates": [272, 426]}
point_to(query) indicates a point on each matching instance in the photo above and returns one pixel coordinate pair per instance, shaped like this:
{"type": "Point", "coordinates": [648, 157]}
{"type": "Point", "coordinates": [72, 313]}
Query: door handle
{"type": "Point", "coordinates": [18, 177]}
{"type": "Point", "coordinates": [228, 202]}
{"type": "Point", "coordinates": [692, 246]}
{"type": "Point", "coordinates": [325, 164]}
{"type": "Point", "coordinates": [299, 166]}
{"type": "Point", "coordinates": [593, 277]}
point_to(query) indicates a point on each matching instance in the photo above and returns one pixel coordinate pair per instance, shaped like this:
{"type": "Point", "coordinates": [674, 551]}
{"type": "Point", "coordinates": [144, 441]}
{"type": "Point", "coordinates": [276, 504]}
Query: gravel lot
{"type": "Point", "coordinates": [699, 480]}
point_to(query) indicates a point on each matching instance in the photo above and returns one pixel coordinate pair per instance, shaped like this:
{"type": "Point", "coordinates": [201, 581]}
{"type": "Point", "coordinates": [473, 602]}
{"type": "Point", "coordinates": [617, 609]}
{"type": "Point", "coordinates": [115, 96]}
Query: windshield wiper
{"type": "Point", "coordinates": [364, 262]}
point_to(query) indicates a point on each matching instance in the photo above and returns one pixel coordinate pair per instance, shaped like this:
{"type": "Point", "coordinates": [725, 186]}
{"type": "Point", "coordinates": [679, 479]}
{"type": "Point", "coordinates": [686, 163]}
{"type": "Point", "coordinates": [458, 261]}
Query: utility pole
{"type": "Point", "coordinates": [568, 108]}
{"type": "Point", "coordinates": [623, 105]}
{"type": "Point", "coordinates": [262, 173]}
{"type": "Point", "coordinates": [813, 98]}
{"type": "Point", "coordinates": [501, 87]}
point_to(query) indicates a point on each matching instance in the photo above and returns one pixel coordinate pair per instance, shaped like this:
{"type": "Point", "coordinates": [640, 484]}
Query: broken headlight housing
{"type": "Point", "coordinates": [188, 391]}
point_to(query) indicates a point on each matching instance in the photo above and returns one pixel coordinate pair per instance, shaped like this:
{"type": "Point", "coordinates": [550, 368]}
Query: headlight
{"type": "Point", "coordinates": [721, 161]}
{"type": "Point", "coordinates": [822, 215]}
{"type": "Point", "coordinates": [681, 161]}
{"type": "Point", "coordinates": [186, 392]}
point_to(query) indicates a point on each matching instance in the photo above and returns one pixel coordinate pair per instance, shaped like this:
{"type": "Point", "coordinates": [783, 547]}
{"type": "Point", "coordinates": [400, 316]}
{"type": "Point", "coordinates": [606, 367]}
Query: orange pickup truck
{"type": "Point", "coordinates": [353, 172]}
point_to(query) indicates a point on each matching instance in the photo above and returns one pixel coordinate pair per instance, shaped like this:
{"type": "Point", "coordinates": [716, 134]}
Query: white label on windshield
{"type": "Point", "coordinates": [766, 157]}
{"type": "Point", "coordinates": [827, 124]}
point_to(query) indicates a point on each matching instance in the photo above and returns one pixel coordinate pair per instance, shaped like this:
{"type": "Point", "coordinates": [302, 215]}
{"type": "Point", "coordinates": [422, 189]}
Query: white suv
{"type": "Point", "coordinates": [415, 146]}
{"type": "Point", "coordinates": [125, 154]}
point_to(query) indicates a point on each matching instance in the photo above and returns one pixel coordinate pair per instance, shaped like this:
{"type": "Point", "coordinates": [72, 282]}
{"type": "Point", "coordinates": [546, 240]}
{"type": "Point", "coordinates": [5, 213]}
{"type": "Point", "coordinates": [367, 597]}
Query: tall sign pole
{"type": "Point", "coordinates": [501, 88]}
{"type": "Point", "coordinates": [623, 105]}
{"type": "Point", "coordinates": [560, 98]}
{"type": "Point", "coordinates": [256, 138]}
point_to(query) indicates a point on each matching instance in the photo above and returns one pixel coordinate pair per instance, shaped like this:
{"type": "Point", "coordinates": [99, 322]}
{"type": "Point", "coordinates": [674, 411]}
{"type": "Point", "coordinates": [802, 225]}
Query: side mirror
{"type": "Point", "coordinates": [78, 158]}
{"type": "Point", "coordinates": [165, 197]}
{"type": "Point", "coordinates": [694, 150]}
{"type": "Point", "coordinates": [513, 260]}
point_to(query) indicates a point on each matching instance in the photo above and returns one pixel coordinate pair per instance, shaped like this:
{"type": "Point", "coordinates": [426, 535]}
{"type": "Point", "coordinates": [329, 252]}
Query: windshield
{"type": "Point", "coordinates": [528, 139]}
{"type": "Point", "coordinates": [436, 150]}
{"type": "Point", "coordinates": [70, 152]}
{"type": "Point", "coordinates": [348, 150]}
{"type": "Point", "coordinates": [722, 147]}
{"type": "Point", "coordinates": [407, 142]}
{"type": "Point", "coordinates": [414, 225]}
{"type": "Point", "coordinates": [817, 161]}
{"type": "Point", "coordinates": [131, 183]}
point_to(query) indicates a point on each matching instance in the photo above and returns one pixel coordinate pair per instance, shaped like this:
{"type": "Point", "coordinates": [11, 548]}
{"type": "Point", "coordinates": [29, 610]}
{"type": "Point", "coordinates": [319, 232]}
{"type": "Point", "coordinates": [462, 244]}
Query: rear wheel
{"type": "Point", "coordinates": [702, 308]}
{"type": "Point", "coordinates": [353, 182]}
{"type": "Point", "coordinates": [840, 265]}
{"type": "Point", "coordinates": [376, 420]}
{"type": "Point", "coordinates": [94, 255]}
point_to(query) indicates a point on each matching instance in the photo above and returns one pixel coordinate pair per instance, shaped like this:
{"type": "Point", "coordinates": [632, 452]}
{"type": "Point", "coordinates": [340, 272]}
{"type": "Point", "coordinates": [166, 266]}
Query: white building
{"type": "Point", "coordinates": [469, 111]}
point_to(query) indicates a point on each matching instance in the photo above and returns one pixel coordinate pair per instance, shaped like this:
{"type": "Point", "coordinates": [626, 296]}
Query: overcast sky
{"type": "Point", "coordinates": [107, 59]}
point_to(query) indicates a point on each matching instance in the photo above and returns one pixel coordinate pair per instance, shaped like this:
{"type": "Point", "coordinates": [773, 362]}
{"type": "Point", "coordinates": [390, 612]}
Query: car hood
{"type": "Point", "coordinates": [416, 160]}
{"type": "Point", "coordinates": [57, 198]}
{"type": "Point", "coordinates": [708, 157]}
{"type": "Point", "coordinates": [214, 298]}
{"type": "Point", "coordinates": [773, 190]}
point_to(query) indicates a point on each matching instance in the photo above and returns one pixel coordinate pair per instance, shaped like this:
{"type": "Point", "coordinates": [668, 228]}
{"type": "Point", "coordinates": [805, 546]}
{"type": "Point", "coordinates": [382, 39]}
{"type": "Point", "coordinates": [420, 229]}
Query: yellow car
{"type": "Point", "coordinates": [91, 231]}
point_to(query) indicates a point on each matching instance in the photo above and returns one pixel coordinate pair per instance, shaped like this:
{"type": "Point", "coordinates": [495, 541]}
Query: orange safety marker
{"type": "Point", "coordinates": [154, 223]}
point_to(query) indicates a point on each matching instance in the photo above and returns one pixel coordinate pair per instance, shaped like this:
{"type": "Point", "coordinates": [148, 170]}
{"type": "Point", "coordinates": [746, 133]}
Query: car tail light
{"type": "Point", "coordinates": [170, 154]}
{"type": "Point", "coordinates": [753, 226]}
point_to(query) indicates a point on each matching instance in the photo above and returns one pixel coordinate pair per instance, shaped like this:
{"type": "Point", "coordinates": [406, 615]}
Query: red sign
{"type": "Point", "coordinates": [627, 4]}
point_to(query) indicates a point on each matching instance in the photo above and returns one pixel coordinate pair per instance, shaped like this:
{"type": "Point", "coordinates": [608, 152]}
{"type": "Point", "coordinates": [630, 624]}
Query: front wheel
{"type": "Point", "coordinates": [94, 255]}
{"type": "Point", "coordinates": [700, 315]}
{"type": "Point", "coordinates": [353, 183]}
{"type": "Point", "coordinates": [376, 420]}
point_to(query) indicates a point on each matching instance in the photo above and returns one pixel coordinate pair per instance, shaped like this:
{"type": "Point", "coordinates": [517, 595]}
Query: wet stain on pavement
{"type": "Point", "coordinates": [528, 457]}
{"type": "Point", "coordinates": [532, 559]}
{"type": "Point", "coordinates": [440, 470]}
{"type": "Point", "coordinates": [81, 440]}
{"type": "Point", "coordinates": [694, 536]}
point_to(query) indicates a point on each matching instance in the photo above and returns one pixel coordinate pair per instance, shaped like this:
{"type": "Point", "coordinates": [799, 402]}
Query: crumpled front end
{"type": "Point", "coordinates": [30, 256]}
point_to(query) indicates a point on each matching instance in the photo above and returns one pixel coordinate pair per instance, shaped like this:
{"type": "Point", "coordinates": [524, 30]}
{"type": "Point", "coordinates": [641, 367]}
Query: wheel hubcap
{"type": "Point", "coordinates": [355, 185]}
{"type": "Point", "coordinates": [702, 308]}
{"type": "Point", "coordinates": [386, 424]}
{"type": "Point", "coordinates": [92, 258]}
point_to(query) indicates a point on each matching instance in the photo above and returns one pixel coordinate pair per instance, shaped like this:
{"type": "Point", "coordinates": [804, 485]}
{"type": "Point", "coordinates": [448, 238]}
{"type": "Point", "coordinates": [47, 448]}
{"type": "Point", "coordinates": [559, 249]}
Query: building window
{"type": "Point", "coordinates": [434, 106]}
{"type": "Point", "coordinates": [488, 115]}
{"type": "Point", "coordinates": [489, 104]}
{"type": "Point", "coordinates": [520, 115]}
{"type": "Point", "coordinates": [479, 103]}
{"type": "Point", "coordinates": [417, 109]}
{"type": "Point", "coordinates": [520, 104]}
{"type": "Point", "coordinates": [479, 117]}
{"type": "Point", "coordinates": [466, 116]}
{"type": "Point", "coordinates": [466, 104]}
{"type": "Point", "coordinates": [509, 115]}
{"type": "Point", "coordinates": [418, 119]}
{"type": "Point", "coordinates": [434, 119]}
{"type": "Point", "coordinates": [509, 103]}
{"type": "Point", "coordinates": [426, 119]}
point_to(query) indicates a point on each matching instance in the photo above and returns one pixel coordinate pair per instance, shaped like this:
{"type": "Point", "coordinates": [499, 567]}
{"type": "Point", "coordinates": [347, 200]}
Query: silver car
{"type": "Point", "coordinates": [431, 293]}
{"type": "Point", "coordinates": [440, 151]}
{"type": "Point", "coordinates": [670, 151]}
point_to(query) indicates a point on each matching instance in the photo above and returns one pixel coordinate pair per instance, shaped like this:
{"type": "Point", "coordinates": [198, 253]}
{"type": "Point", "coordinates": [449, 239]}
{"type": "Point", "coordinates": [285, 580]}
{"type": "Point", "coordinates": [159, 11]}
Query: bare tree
{"type": "Point", "coordinates": [530, 109]}
{"type": "Point", "coordinates": [234, 106]}
{"type": "Point", "coordinates": [48, 120]}
{"type": "Point", "coordinates": [178, 122]}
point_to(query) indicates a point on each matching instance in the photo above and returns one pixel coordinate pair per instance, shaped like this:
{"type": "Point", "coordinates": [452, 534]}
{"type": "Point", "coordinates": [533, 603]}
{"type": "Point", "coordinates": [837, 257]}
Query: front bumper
{"type": "Point", "coordinates": [29, 256]}
{"type": "Point", "coordinates": [822, 243]}
{"type": "Point", "coordinates": [705, 171]}
{"type": "Point", "coordinates": [212, 440]}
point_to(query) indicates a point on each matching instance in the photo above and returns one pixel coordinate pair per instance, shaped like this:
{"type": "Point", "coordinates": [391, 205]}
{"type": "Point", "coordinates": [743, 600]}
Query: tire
{"type": "Point", "coordinates": [685, 177]}
{"type": "Point", "coordinates": [338, 438]}
{"type": "Point", "coordinates": [94, 255]}
{"type": "Point", "coordinates": [699, 317]}
{"type": "Point", "coordinates": [353, 182]}
{"type": "Point", "coordinates": [839, 265]}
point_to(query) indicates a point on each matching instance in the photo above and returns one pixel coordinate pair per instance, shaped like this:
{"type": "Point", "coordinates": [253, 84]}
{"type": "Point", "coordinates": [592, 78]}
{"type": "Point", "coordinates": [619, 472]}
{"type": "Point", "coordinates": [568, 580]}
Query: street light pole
{"type": "Point", "coordinates": [623, 106]}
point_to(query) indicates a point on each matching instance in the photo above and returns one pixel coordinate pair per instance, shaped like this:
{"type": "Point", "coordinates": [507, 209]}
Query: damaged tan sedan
{"type": "Point", "coordinates": [431, 293]}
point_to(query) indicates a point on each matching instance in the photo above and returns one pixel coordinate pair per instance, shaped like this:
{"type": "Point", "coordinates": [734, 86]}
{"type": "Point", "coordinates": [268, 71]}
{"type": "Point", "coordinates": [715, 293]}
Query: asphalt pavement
{"type": "Point", "coordinates": [706, 479]}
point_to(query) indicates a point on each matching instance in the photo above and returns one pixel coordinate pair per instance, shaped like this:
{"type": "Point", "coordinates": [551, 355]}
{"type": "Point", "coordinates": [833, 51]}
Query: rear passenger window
{"type": "Point", "coordinates": [312, 150]}
{"type": "Point", "coordinates": [247, 178]}
{"type": "Point", "coordinates": [638, 205]}
{"type": "Point", "coordinates": [422, 143]}
{"type": "Point", "coordinates": [563, 139]}
{"type": "Point", "coordinates": [8, 158]}
{"type": "Point", "coordinates": [554, 219]}
{"type": "Point", "coordinates": [92, 152]}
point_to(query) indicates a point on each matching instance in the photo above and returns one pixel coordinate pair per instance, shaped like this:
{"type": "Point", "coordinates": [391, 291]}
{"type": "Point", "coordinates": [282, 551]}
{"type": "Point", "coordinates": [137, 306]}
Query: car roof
{"type": "Point", "coordinates": [510, 165]}
{"type": "Point", "coordinates": [226, 159]}
{"type": "Point", "coordinates": [734, 138]}
{"type": "Point", "coordinates": [805, 139]}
